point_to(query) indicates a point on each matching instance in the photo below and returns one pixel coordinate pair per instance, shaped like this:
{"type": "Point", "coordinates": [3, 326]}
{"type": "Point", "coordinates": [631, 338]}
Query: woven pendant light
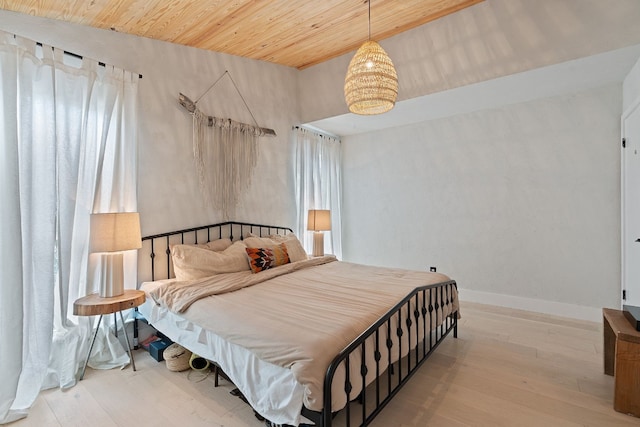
{"type": "Point", "coordinates": [371, 84]}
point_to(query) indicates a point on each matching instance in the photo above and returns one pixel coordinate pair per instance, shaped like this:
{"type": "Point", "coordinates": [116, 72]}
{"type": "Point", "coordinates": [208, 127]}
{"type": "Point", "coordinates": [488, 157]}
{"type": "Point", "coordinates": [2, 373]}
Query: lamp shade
{"type": "Point", "coordinates": [319, 220]}
{"type": "Point", "coordinates": [371, 83]}
{"type": "Point", "coordinates": [113, 232]}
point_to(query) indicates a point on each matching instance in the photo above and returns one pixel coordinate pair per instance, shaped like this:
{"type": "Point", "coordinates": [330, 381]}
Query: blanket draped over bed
{"type": "Point", "coordinates": [300, 315]}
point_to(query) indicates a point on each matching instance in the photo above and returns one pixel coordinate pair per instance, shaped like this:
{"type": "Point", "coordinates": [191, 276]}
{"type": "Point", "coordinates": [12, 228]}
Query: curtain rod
{"type": "Point", "coordinates": [75, 55]}
{"type": "Point", "coordinates": [321, 133]}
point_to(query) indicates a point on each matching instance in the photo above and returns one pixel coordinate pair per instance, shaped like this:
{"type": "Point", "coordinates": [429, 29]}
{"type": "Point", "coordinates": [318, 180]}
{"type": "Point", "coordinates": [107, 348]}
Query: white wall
{"type": "Point", "coordinates": [631, 88]}
{"type": "Point", "coordinates": [521, 200]}
{"type": "Point", "coordinates": [168, 193]}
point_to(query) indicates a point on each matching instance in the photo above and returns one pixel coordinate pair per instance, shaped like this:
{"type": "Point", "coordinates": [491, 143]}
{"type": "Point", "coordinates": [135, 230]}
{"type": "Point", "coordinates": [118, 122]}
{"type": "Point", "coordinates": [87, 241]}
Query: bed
{"type": "Point", "coordinates": [312, 341]}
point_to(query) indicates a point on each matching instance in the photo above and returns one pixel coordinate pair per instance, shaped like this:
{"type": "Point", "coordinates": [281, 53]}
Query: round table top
{"type": "Point", "coordinates": [94, 304]}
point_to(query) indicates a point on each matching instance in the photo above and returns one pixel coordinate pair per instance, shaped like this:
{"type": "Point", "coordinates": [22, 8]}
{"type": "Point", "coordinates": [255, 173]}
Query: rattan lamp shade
{"type": "Point", "coordinates": [371, 84]}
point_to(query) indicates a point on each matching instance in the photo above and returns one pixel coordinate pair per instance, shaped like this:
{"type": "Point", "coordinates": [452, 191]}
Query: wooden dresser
{"type": "Point", "coordinates": [622, 360]}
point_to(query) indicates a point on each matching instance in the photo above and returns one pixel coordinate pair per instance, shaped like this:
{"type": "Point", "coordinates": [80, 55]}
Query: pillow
{"type": "Point", "coordinates": [294, 247]}
{"type": "Point", "coordinates": [214, 245]}
{"type": "Point", "coordinates": [261, 259]}
{"type": "Point", "coordinates": [253, 241]}
{"type": "Point", "coordinates": [218, 245]}
{"type": "Point", "coordinates": [192, 262]}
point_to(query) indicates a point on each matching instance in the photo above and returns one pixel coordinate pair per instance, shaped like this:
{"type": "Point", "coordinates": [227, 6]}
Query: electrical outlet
{"type": "Point", "coordinates": [432, 269]}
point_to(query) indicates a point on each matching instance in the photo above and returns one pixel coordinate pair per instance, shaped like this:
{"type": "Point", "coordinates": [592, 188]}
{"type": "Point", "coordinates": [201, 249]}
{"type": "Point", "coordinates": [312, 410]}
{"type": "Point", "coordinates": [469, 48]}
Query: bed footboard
{"type": "Point", "coordinates": [420, 322]}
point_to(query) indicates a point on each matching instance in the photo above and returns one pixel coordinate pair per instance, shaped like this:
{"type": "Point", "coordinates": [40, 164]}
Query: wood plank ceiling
{"type": "Point", "coordinates": [295, 33]}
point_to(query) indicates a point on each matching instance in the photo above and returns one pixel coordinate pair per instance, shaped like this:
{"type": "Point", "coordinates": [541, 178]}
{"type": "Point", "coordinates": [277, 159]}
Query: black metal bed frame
{"type": "Point", "coordinates": [224, 229]}
{"type": "Point", "coordinates": [419, 308]}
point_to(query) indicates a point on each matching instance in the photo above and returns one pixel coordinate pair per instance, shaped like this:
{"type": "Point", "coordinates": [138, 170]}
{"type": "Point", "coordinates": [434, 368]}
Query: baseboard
{"type": "Point", "coordinates": [580, 312]}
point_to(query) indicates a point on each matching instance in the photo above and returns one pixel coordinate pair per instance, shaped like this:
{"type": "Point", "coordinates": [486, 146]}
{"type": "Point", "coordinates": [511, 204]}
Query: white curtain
{"type": "Point", "coordinates": [318, 185]}
{"type": "Point", "coordinates": [69, 148]}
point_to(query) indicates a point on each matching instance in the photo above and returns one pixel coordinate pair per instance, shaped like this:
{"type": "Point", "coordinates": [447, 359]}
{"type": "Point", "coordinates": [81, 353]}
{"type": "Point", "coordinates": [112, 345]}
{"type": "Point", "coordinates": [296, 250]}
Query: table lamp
{"type": "Point", "coordinates": [318, 221]}
{"type": "Point", "coordinates": [111, 234]}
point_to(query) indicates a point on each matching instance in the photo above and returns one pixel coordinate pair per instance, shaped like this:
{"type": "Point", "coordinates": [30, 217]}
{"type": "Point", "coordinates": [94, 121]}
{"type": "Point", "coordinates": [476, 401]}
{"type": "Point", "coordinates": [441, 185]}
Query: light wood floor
{"type": "Point", "coordinates": [507, 368]}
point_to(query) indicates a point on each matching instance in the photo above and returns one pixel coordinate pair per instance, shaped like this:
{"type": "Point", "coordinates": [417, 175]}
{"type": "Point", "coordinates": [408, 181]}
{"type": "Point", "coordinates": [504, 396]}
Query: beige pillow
{"type": "Point", "coordinates": [214, 245]}
{"type": "Point", "coordinates": [253, 241]}
{"type": "Point", "coordinates": [294, 247]}
{"type": "Point", "coordinates": [218, 245]}
{"type": "Point", "coordinates": [191, 262]}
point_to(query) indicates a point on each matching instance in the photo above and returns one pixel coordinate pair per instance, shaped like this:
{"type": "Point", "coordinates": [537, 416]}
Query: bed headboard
{"type": "Point", "coordinates": [154, 258]}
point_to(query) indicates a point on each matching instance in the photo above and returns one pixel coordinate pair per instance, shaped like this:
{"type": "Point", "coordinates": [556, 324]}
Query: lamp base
{"type": "Point", "coordinates": [318, 243]}
{"type": "Point", "coordinates": [112, 274]}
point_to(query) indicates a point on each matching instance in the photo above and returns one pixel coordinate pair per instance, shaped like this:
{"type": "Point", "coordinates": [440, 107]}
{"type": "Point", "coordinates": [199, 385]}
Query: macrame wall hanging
{"type": "Point", "coordinates": [225, 153]}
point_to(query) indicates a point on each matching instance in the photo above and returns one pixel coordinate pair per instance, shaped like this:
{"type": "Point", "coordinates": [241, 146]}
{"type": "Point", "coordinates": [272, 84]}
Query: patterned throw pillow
{"type": "Point", "coordinates": [294, 247]}
{"type": "Point", "coordinates": [261, 259]}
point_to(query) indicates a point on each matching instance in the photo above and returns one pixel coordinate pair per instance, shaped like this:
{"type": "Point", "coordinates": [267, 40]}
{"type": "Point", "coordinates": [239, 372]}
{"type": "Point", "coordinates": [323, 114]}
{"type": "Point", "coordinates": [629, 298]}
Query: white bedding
{"type": "Point", "coordinates": [282, 401]}
{"type": "Point", "coordinates": [286, 330]}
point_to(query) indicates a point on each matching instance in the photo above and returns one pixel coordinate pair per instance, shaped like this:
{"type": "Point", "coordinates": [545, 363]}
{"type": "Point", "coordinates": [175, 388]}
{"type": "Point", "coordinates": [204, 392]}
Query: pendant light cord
{"type": "Point", "coordinates": [369, 2]}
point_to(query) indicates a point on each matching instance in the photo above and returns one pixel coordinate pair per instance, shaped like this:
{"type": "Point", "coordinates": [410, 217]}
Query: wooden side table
{"type": "Point", "coordinates": [93, 304]}
{"type": "Point", "coordinates": [622, 360]}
